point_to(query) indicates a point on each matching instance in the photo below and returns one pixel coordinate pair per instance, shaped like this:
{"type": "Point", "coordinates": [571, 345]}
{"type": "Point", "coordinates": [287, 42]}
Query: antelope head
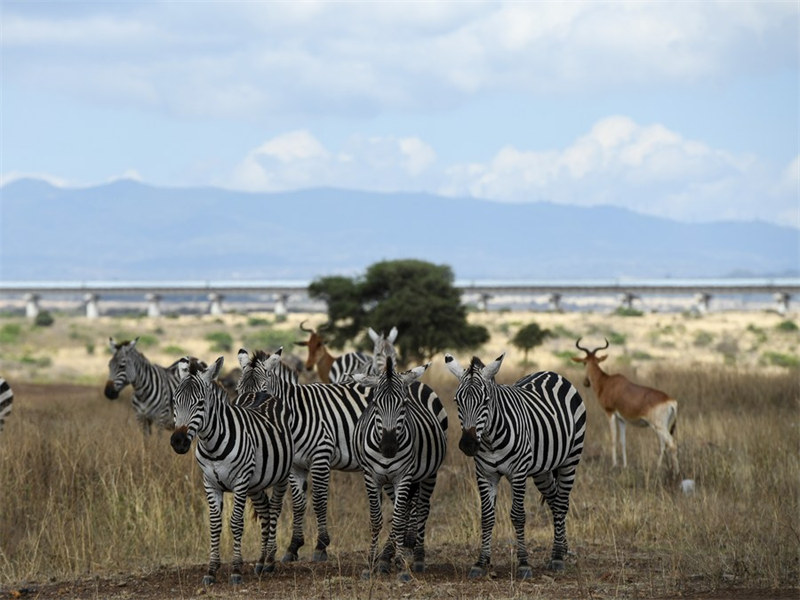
{"type": "Point", "coordinates": [591, 357]}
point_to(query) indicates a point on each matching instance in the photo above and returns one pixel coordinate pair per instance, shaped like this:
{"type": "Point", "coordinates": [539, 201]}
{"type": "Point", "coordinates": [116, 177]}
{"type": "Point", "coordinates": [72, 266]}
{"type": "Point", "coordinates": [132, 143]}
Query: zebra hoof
{"type": "Point", "coordinates": [236, 578]}
{"type": "Point", "coordinates": [264, 568]}
{"type": "Point", "coordinates": [476, 572]}
{"type": "Point", "coordinates": [524, 572]}
{"type": "Point", "coordinates": [289, 557]}
{"type": "Point", "coordinates": [384, 567]}
{"type": "Point", "coordinates": [418, 566]}
{"type": "Point", "coordinates": [404, 577]}
{"type": "Point", "coordinates": [209, 579]}
{"type": "Point", "coordinates": [320, 556]}
{"type": "Point", "coordinates": [556, 565]}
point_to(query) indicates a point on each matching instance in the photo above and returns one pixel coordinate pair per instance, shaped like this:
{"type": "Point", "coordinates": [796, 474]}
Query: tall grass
{"type": "Point", "coordinates": [82, 491]}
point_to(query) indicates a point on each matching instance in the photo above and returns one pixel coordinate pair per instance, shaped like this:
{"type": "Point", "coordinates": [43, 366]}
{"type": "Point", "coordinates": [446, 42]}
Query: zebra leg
{"type": "Point", "coordinates": [275, 506]}
{"type": "Point", "coordinates": [487, 488]}
{"type": "Point", "coordinates": [320, 483]}
{"type": "Point", "coordinates": [261, 504]}
{"type": "Point", "coordinates": [299, 481]}
{"type": "Point", "coordinates": [214, 498]}
{"type": "Point", "coordinates": [237, 528]}
{"type": "Point", "coordinates": [422, 509]}
{"type": "Point", "coordinates": [518, 484]}
{"type": "Point", "coordinates": [393, 546]}
{"type": "Point", "coordinates": [556, 487]}
{"type": "Point", "coordinates": [376, 522]}
{"type": "Point", "coordinates": [412, 518]}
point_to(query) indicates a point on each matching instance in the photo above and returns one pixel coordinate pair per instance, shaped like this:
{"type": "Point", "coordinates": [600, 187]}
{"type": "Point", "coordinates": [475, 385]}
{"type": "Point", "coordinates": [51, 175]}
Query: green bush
{"type": "Point", "coordinates": [221, 341]}
{"type": "Point", "coordinates": [173, 350]}
{"type": "Point", "coordinates": [270, 340]}
{"type": "Point", "coordinates": [44, 319]}
{"type": "Point", "coordinates": [9, 333]}
{"type": "Point", "coordinates": [778, 359]}
{"type": "Point", "coordinates": [787, 326]}
{"type": "Point", "coordinates": [625, 311]}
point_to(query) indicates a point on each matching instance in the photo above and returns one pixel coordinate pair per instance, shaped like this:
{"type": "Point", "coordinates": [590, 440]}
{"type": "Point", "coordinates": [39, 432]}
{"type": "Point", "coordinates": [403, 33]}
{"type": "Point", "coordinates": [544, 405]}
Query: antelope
{"type": "Point", "coordinates": [331, 369]}
{"type": "Point", "coordinates": [626, 402]}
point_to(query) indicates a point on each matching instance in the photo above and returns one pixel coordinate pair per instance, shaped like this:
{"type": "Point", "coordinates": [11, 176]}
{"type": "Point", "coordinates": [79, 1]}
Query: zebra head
{"type": "Point", "coordinates": [390, 399]}
{"type": "Point", "coordinates": [189, 401]}
{"type": "Point", "coordinates": [253, 379]}
{"type": "Point", "coordinates": [383, 349]}
{"type": "Point", "coordinates": [121, 369]}
{"type": "Point", "coordinates": [473, 399]}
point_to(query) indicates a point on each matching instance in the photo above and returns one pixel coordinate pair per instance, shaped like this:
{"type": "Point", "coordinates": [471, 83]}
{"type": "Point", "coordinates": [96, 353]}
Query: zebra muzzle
{"type": "Point", "coordinates": [180, 441]}
{"type": "Point", "coordinates": [469, 443]}
{"type": "Point", "coordinates": [110, 391]}
{"type": "Point", "coordinates": [389, 443]}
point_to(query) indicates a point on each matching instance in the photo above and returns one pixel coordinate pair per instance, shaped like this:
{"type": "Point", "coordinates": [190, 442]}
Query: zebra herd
{"type": "Point", "coordinates": [384, 423]}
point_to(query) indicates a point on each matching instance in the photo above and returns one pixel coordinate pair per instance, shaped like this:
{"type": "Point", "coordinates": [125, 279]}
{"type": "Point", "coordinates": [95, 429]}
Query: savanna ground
{"type": "Point", "coordinates": [89, 508]}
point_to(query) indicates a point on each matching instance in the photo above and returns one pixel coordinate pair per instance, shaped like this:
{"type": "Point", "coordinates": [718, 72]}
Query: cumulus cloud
{"type": "Point", "coordinates": [646, 168]}
{"type": "Point", "coordinates": [333, 58]}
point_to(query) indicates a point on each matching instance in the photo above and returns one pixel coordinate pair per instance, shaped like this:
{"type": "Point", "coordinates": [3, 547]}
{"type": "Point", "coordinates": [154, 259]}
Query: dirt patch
{"type": "Point", "coordinates": [595, 573]}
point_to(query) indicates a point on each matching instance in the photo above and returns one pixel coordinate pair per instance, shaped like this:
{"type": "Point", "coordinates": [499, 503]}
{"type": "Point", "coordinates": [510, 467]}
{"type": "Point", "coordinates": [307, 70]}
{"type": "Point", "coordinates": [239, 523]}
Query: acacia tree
{"type": "Point", "coordinates": [417, 297]}
{"type": "Point", "coordinates": [529, 337]}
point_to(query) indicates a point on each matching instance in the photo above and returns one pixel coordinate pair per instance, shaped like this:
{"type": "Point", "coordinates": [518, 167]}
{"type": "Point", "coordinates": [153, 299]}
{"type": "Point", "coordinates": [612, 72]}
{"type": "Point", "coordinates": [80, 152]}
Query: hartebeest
{"type": "Point", "coordinates": [331, 369]}
{"type": "Point", "coordinates": [626, 402]}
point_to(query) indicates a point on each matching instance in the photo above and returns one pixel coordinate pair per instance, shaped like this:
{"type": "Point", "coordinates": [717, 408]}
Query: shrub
{"type": "Point", "coordinates": [269, 340]}
{"type": "Point", "coordinates": [221, 341]}
{"type": "Point", "coordinates": [9, 333]}
{"type": "Point", "coordinates": [626, 311]}
{"type": "Point", "coordinates": [175, 350]}
{"type": "Point", "coordinates": [787, 326]}
{"type": "Point", "coordinates": [703, 339]}
{"type": "Point", "coordinates": [44, 319]}
{"type": "Point", "coordinates": [779, 359]}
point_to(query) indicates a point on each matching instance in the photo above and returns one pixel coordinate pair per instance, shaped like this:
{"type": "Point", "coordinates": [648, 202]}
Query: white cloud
{"type": "Point", "coordinates": [341, 58]}
{"type": "Point", "coordinates": [646, 168]}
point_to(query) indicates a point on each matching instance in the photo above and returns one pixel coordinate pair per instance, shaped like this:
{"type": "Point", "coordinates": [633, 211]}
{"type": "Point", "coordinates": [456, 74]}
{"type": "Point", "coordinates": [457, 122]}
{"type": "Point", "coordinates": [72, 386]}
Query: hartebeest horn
{"type": "Point", "coordinates": [303, 328]}
{"type": "Point", "coordinates": [590, 352]}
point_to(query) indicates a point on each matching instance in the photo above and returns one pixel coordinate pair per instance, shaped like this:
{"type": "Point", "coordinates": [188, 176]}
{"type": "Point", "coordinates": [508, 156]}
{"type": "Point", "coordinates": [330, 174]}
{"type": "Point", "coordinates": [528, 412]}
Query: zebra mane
{"type": "Point", "coordinates": [475, 365]}
{"type": "Point", "coordinates": [196, 366]}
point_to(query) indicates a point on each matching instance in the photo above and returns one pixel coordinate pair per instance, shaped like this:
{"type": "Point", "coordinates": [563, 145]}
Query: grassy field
{"type": "Point", "coordinates": [90, 508]}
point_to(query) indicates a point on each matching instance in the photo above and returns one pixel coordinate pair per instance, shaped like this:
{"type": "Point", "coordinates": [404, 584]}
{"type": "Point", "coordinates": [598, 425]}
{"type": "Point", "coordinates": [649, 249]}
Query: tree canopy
{"type": "Point", "coordinates": [415, 296]}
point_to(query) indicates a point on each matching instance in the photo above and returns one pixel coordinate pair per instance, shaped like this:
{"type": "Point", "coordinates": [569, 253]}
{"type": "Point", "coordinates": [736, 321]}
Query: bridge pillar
{"type": "Point", "coordinates": [280, 309]}
{"type": "Point", "coordinates": [702, 302]}
{"type": "Point", "coordinates": [32, 308]}
{"type": "Point", "coordinates": [215, 304]}
{"type": "Point", "coordinates": [627, 299]}
{"type": "Point", "coordinates": [555, 302]}
{"type": "Point", "coordinates": [483, 302]}
{"type": "Point", "coordinates": [92, 308]}
{"type": "Point", "coordinates": [153, 305]}
{"type": "Point", "coordinates": [783, 298]}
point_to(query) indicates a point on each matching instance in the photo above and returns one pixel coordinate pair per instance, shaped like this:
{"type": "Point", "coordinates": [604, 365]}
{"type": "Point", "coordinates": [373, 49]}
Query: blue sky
{"type": "Point", "coordinates": [687, 110]}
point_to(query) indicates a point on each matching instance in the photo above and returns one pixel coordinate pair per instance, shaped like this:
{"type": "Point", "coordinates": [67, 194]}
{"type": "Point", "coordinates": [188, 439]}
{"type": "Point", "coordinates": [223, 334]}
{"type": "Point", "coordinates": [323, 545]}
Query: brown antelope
{"type": "Point", "coordinates": [626, 402]}
{"type": "Point", "coordinates": [331, 369]}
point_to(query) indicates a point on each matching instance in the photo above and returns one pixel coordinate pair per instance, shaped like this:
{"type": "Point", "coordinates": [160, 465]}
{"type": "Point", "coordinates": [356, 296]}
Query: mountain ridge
{"type": "Point", "coordinates": [131, 230]}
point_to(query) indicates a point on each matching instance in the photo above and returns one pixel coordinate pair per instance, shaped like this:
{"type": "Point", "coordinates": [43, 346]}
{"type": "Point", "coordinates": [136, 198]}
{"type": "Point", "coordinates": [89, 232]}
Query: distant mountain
{"type": "Point", "coordinates": [130, 231]}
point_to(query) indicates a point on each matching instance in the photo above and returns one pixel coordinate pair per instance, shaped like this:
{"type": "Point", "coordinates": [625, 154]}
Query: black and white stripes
{"type": "Point", "coordinates": [6, 400]}
{"type": "Point", "coordinates": [400, 445]}
{"type": "Point", "coordinates": [240, 450]}
{"type": "Point", "coordinates": [534, 428]}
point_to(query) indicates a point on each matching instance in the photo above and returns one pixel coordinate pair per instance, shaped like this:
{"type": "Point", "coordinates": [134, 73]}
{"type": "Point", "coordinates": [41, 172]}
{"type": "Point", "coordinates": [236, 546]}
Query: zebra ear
{"type": "Point", "coordinates": [213, 371]}
{"type": "Point", "coordinates": [183, 368]}
{"type": "Point", "coordinates": [112, 344]}
{"type": "Point", "coordinates": [373, 335]}
{"type": "Point", "coordinates": [366, 380]}
{"type": "Point", "coordinates": [244, 358]}
{"type": "Point", "coordinates": [274, 360]}
{"type": "Point", "coordinates": [452, 365]}
{"type": "Point", "coordinates": [489, 371]}
{"type": "Point", "coordinates": [132, 343]}
{"type": "Point", "coordinates": [415, 373]}
{"type": "Point", "coordinates": [392, 335]}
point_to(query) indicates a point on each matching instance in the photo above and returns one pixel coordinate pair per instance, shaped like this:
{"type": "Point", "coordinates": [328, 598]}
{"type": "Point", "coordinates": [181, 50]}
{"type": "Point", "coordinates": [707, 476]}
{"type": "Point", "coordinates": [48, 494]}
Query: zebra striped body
{"type": "Point", "coordinates": [6, 399]}
{"type": "Point", "coordinates": [322, 420]}
{"type": "Point", "coordinates": [153, 385]}
{"type": "Point", "coordinates": [348, 364]}
{"type": "Point", "coordinates": [534, 428]}
{"type": "Point", "coordinates": [401, 444]}
{"type": "Point", "coordinates": [239, 450]}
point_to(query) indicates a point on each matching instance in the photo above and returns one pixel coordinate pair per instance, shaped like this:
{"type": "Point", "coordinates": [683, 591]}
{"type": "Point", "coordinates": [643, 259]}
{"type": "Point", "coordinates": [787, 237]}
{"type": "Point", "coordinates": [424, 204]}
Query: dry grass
{"type": "Point", "coordinates": [82, 492]}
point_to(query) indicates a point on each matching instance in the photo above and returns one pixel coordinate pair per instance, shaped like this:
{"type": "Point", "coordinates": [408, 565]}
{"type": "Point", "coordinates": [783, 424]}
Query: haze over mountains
{"type": "Point", "coordinates": [130, 231]}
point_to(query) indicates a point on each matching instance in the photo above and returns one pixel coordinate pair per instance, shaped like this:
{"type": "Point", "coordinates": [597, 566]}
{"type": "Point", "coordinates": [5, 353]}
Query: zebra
{"type": "Point", "coordinates": [383, 348]}
{"type": "Point", "coordinates": [322, 421]}
{"type": "Point", "coordinates": [239, 450]}
{"type": "Point", "coordinates": [153, 384]}
{"type": "Point", "coordinates": [534, 428]}
{"type": "Point", "coordinates": [6, 400]}
{"type": "Point", "coordinates": [401, 444]}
